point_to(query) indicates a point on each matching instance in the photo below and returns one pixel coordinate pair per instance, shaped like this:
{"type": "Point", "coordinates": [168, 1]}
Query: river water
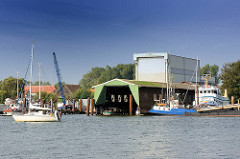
{"type": "Point", "coordinates": [79, 136]}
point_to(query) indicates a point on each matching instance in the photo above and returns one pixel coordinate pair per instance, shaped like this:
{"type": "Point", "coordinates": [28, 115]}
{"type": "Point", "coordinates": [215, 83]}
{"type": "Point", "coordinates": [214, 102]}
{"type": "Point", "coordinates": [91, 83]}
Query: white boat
{"type": "Point", "coordinates": [35, 112]}
{"type": "Point", "coordinates": [38, 116]}
{"type": "Point", "coordinates": [211, 95]}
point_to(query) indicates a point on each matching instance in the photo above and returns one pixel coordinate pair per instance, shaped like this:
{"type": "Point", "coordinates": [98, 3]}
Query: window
{"type": "Point", "coordinates": [125, 98]}
{"type": "Point", "coordinates": [119, 98]}
{"type": "Point", "coordinates": [200, 91]}
{"type": "Point", "coordinates": [113, 98]}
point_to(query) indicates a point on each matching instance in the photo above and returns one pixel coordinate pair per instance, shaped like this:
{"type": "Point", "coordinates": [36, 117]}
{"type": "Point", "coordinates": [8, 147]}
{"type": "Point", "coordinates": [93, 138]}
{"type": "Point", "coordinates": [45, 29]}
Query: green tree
{"type": "Point", "coordinates": [92, 77]}
{"type": "Point", "coordinates": [46, 96]}
{"type": "Point", "coordinates": [36, 83]}
{"type": "Point", "coordinates": [231, 79]}
{"type": "Point", "coordinates": [204, 70]}
{"type": "Point", "coordinates": [213, 70]}
{"type": "Point", "coordinates": [57, 85]}
{"type": "Point", "coordinates": [128, 72]}
{"type": "Point", "coordinates": [8, 88]}
{"type": "Point", "coordinates": [99, 75]}
{"type": "Point", "coordinates": [83, 92]}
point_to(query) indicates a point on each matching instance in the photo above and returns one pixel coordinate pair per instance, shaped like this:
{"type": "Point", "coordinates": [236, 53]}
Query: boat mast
{"type": "Point", "coordinates": [39, 81]}
{"type": "Point", "coordinates": [167, 81]}
{"type": "Point", "coordinates": [197, 98]}
{"type": "Point", "coordinates": [31, 70]}
{"type": "Point", "coordinates": [17, 85]}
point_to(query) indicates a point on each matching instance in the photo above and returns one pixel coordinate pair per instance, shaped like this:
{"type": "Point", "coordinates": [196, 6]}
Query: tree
{"type": "Point", "coordinates": [83, 92]}
{"type": "Point", "coordinates": [99, 75]}
{"type": "Point", "coordinates": [36, 83]}
{"type": "Point", "coordinates": [46, 96]}
{"type": "Point", "coordinates": [8, 88]}
{"type": "Point", "coordinates": [213, 70]}
{"type": "Point", "coordinates": [91, 78]}
{"type": "Point", "coordinates": [57, 85]}
{"type": "Point", "coordinates": [204, 70]}
{"type": "Point", "coordinates": [128, 72]}
{"type": "Point", "coordinates": [231, 79]}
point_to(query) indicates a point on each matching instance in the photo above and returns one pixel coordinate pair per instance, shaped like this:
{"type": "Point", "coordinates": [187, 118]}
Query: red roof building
{"type": "Point", "coordinates": [35, 89]}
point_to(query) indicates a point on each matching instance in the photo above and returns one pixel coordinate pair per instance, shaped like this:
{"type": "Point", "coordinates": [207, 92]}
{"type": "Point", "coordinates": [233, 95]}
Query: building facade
{"type": "Point", "coordinates": [156, 67]}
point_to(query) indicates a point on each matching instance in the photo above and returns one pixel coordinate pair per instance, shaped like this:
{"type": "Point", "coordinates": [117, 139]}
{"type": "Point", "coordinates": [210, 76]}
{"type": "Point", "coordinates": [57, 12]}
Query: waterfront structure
{"type": "Point", "coordinates": [153, 66]}
{"type": "Point", "coordinates": [115, 95]}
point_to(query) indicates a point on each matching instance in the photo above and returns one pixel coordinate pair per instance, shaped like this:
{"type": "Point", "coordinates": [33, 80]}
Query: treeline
{"type": "Point", "coordinates": [99, 75]}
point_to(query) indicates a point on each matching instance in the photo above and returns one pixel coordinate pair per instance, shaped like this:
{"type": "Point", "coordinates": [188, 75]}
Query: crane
{"type": "Point", "coordinates": [59, 77]}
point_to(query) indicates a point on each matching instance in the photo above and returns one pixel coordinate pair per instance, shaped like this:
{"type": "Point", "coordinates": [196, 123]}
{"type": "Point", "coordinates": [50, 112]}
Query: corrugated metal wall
{"type": "Point", "coordinates": [152, 67]}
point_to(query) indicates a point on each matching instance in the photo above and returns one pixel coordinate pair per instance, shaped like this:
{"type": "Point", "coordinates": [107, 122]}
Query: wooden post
{"type": "Point", "coordinates": [92, 106]}
{"type": "Point", "coordinates": [51, 113]}
{"type": "Point", "coordinates": [24, 105]}
{"type": "Point", "coordinates": [130, 104]}
{"type": "Point", "coordinates": [42, 103]}
{"type": "Point", "coordinates": [238, 105]}
{"type": "Point", "coordinates": [197, 104]}
{"type": "Point", "coordinates": [73, 107]}
{"type": "Point", "coordinates": [87, 111]}
{"type": "Point", "coordinates": [80, 105]}
{"type": "Point", "coordinates": [232, 100]}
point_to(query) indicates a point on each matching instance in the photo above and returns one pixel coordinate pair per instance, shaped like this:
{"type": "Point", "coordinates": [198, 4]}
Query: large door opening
{"type": "Point", "coordinates": [117, 101]}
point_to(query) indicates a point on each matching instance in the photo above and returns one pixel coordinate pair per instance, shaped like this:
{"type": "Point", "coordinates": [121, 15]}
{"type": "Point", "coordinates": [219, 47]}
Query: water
{"type": "Point", "coordinates": [79, 136]}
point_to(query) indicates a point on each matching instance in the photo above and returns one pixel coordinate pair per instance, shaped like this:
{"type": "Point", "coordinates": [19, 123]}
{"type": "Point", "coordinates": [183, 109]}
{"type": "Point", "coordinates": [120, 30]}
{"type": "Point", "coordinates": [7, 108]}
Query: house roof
{"type": "Point", "coordinates": [35, 89]}
{"type": "Point", "coordinates": [69, 88]}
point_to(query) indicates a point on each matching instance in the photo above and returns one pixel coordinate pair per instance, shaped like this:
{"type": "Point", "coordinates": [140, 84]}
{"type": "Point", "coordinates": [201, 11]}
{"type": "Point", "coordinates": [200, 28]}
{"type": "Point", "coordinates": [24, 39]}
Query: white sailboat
{"type": "Point", "coordinates": [35, 112]}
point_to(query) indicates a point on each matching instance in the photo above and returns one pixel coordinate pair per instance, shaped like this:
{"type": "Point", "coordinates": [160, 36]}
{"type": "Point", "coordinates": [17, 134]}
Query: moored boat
{"type": "Point", "coordinates": [35, 112]}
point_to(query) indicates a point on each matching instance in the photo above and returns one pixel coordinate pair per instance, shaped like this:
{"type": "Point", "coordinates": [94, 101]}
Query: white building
{"type": "Point", "coordinates": [153, 67]}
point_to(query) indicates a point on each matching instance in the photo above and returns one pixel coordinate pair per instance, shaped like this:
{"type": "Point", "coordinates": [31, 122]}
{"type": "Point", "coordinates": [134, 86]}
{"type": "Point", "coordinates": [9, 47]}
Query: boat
{"type": "Point", "coordinates": [173, 109]}
{"type": "Point", "coordinates": [170, 105]}
{"type": "Point", "coordinates": [38, 115]}
{"type": "Point", "coordinates": [210, 95]}
{"type": "Point", "coordinates": [13, 105]}
{"type": "Point", "coordinates": [35, 112]}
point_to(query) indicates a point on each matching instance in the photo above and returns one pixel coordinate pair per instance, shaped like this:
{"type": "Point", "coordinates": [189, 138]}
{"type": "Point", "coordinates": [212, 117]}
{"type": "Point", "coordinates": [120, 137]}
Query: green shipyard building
{"type": "Point", "coordinates": [115, 94]}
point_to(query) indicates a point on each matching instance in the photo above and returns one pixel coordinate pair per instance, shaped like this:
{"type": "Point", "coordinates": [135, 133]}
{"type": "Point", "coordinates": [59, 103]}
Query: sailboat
{"type": "Point", "coordinates": [35, 112]}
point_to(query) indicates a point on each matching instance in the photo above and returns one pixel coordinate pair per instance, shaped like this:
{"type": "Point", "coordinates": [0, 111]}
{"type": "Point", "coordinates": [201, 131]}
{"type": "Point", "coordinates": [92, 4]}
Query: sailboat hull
{"type": "Point", "coordinates": [36, 118]}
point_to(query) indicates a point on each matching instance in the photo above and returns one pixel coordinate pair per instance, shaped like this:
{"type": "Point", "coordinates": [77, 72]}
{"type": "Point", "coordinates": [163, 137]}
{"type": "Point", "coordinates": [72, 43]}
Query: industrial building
{"type": "Point", "coordinates": [153, 67]}
{"type": "Point", "coordinates": [154, 74]}
{"type": "Point", "coordinates": [114, 95]}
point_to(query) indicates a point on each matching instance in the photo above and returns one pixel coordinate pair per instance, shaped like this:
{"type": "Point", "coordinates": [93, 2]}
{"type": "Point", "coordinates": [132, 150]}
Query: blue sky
{"type": "Point", "coordinates": [86, 34]}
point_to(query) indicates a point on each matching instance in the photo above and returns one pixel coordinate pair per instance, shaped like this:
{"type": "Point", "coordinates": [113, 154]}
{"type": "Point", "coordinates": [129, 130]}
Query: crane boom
{"type": "Point", "coordinates": [59, 77]}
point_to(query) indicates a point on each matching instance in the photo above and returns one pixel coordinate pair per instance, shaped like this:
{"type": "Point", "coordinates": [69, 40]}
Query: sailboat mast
{"type": "Point", "coordinates": [197, 72]}
{"type": "Point", "coordinates": [197, 98]}
{"type": "Point", "coordinates": [17, 85]}
{"type": "Point", "coordinates": [167, 81]}
{"type": "Point", "coordinates": [31, 71]}
{"type": "Point", "coordinates": [39, 81]}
